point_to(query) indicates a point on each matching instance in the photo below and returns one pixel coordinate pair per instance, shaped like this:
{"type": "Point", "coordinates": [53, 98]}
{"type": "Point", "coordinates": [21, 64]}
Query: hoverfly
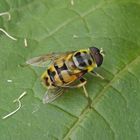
{"type": "Point", "coordinates": [66, 69]}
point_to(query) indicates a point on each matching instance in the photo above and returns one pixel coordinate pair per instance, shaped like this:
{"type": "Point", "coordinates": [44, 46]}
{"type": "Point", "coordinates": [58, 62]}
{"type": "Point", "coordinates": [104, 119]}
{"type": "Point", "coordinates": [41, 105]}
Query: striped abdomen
{"type": "Point", "coordinates": [59, 74]}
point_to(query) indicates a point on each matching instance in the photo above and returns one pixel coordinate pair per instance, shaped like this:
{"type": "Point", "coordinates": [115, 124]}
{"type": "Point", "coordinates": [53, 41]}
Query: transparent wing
{"type": "Point", "coordinates": [44, 60]}
{"type": "Point", "coordinates": [40, 61]}
{"type": "Point", "coordinates": [52, 93]}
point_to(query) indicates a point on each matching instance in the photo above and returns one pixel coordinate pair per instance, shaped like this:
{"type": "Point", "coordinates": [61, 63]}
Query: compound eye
{"type": "Point", "coordinates": [98, 59]}
{"type": "Point", "coordinates": [97, 56]}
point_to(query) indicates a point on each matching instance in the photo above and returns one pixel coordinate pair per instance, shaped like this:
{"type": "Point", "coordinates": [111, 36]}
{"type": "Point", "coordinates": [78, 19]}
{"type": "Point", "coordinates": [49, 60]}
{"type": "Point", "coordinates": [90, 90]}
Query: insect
{"type": "Point", "coordinates": [66, 70]}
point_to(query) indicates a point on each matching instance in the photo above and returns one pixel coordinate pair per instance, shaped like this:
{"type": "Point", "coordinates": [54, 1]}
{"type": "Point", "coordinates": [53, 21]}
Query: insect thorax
{"type": "Point", "coordinates": [83, 60]}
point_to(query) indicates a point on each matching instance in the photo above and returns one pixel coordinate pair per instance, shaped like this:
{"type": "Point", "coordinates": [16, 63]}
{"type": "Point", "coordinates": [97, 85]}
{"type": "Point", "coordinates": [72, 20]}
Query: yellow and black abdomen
{"type": "Point", "coordinates": [58, 74]}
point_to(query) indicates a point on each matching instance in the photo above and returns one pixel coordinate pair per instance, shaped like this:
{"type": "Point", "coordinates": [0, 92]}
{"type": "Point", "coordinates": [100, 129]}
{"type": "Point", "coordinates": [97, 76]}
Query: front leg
{"type": "Point", "coordinates": [96, 74]}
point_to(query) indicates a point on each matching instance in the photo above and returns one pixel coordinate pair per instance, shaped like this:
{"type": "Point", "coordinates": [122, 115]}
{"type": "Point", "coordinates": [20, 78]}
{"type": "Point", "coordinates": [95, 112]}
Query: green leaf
{"type": "Point", "coordinates": [57, 25]}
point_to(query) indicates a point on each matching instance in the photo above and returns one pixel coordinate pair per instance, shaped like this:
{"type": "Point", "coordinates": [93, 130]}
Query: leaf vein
{"type": "Point", "coordinates": [87, 110]}
{"type": "Point", "coordinates": [64, 111]}
{"type": "Point", "coordinates": [115, 77]}
{"type": "Point", "coordinates": [107, 123]}
{"type": "Point", "coordinates": [123, 97]}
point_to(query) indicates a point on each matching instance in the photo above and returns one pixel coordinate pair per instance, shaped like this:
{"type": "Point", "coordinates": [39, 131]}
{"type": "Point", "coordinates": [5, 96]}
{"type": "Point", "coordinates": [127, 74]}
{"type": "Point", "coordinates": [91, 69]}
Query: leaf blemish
{"type": "Point", "coordinates": [25, 42]}
{"type": "Point", "coordinates": [7, 34]}
{"type": "Point", "coordinates": [19, 105]}
{"type": "Point", "coordinates": [6, 13]}
{"type": "Point", "coordinates": [9, 81]}
{"type": "Point", "coordinates": [75, 36]}
{"type": "Point", "coordinates": [72, 2]}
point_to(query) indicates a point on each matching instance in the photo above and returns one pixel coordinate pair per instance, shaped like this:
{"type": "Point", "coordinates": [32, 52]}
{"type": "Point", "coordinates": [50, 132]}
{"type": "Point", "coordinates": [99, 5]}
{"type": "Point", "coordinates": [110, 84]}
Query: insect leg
{"type": "Point", "coordinates": [83, 80]}
{"type": "Point", "coordinates": [82, 83]}
{"type": "Point", "coordinates": [96, 74]}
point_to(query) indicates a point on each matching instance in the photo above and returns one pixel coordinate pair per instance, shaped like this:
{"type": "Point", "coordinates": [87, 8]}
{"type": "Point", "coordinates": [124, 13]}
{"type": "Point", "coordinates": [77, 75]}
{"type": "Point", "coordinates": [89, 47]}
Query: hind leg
{"type": "Point", "coordinates": [82, 83]}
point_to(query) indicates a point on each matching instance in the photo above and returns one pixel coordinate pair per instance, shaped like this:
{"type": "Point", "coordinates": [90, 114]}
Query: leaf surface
{"type": "Point", "coordinates": [59, 26]}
